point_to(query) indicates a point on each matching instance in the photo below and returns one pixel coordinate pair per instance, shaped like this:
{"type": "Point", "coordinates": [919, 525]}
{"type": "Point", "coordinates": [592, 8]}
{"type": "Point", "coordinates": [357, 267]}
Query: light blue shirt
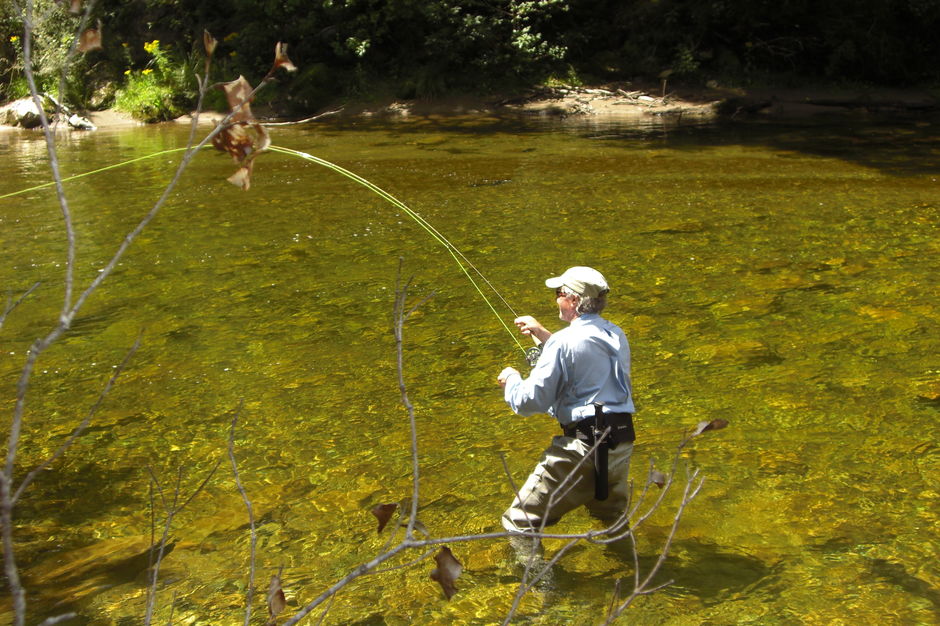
{"type": "Point", "coordinates": [588, 362]}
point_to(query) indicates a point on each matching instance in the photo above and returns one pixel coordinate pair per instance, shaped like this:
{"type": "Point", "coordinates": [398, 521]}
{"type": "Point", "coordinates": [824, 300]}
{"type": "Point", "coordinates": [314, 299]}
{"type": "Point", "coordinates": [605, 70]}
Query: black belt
{"type": "Point", "coordinates": [621, 429]}
{"type": "Point", "coordinates": [590, 429]}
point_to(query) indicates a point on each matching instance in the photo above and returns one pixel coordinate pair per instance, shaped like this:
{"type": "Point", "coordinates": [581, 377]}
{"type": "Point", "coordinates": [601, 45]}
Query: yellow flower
{"type": "Point", "coordinates": [127, 72]}
{"type": "Point", "coordinates": [149, 47]}
{"type": "Point", "coordinates": [147, 71]}
{"type": "Point", "coordinates": [14, 39]}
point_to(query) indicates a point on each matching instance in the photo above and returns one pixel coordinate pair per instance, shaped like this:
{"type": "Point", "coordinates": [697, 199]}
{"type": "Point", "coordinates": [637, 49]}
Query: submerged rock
{"type": "Point", "coordinates": [745, 352]}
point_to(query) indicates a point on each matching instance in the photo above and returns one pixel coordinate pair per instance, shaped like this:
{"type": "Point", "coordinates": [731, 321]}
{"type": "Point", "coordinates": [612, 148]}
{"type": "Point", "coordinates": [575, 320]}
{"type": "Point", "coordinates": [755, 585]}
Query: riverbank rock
{"type": "Point", "coordinates": [24, 113]}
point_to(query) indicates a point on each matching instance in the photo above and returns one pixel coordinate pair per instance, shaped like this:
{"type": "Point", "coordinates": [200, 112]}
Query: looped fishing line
{"type": "Point", "coordinates": [462, 261]}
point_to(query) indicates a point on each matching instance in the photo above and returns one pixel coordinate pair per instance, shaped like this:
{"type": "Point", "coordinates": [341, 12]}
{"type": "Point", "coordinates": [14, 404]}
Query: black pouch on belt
{"type": "Point", "coordinates": [621, 430]}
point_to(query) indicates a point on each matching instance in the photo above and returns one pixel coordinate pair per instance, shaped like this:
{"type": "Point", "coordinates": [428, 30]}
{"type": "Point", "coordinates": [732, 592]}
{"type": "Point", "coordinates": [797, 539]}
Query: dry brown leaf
{"type": "Point", "coordinates": [383, 512]}
{"type": "Point", "coordinates": [243, 142]}
{"type": "Point", "coordinates": [715, 424]}
{"type": "Point", "coordinates": [242, 177]}
{"type": "Point", "coordinates": [209, 42]}
{"type": "Point", "coordinates": [90, 39]}
{"type": "Point", "coordinates": [276, 600]}
{"type": "Point", "coordinates": [657, 478]}
{"type": "Point", "coordinates": [236, 141]}
{"type": "Point", "coordinates": [280, 58]}
{"type": "Point", "coordinates": [447, 571]}
{"type": "Point", "coordinates": [238, 94]}
{"type": "Point", "coordinates": [263, 138]}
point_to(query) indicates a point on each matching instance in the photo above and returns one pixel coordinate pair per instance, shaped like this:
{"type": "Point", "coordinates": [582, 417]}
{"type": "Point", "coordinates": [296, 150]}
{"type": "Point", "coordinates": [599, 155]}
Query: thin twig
{"type": "Point", "coordinates": [303, 121]}
{"type": "Point", "coordinates": [326, 610]}
{"type": "Point", "coordinates": [642, 588]}
{"type": "Point", "coordinates": [81, 427]}
{"type": "Point", "coordinates": [401, 295]}
{"type": "Point", "coordinates": [67, 314]}
{"type": "Point", "coordinates": [171, 512]}
{"type": "Point", "coordinates": [153, 524]}
{"type": "Point", "coordinates": [410, 563]}
{"type": "Point", "coordinates": [169, 621]}
{"type": "Point", "coordinates": [362, 570]}
{"type": "Point", "coordinates": [12, 304]}
{"type": "Point", "coordinates": [251, 516]}
{"type": "Point", "coordinates": [58, 619]}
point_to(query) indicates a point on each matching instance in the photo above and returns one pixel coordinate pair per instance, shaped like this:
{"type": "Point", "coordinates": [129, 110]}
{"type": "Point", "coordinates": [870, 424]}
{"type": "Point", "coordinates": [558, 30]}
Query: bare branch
{"type": "Point", "coordinates": [251, 517]}
{"type": "Point", "coordinates": [305, 120]}
{"type": "Point", "coordinates": [169, 621]}
{"type": "Point", "coordinates": [401, 295]}
{"type": "Point", "coordinates": [424, 556]}
{"type": "Point", "coordinates": [58, 619]}
{"type": "Point", "coordinates": [360, 571]}
{"type": "Point", "coordinates": [692, 487]}
{"type": "Point", "coordinates": [326, 610]}
{"type": "Point", "coordinates": [81, 427]}
{"type": "Point", "coordinates": [171, 512]}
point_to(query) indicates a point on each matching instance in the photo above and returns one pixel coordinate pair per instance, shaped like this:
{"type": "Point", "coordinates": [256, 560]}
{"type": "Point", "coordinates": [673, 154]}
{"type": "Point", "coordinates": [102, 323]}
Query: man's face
{"type": "Point", "coordinates": [567, 305]}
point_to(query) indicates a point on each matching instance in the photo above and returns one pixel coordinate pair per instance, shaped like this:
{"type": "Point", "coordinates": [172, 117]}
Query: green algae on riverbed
{"type": "Point", "coordinates": [780, 277]}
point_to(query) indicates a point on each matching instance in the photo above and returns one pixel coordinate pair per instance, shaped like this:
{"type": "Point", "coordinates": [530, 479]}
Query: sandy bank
{"type": "Point", "coordinates": [623, 103]}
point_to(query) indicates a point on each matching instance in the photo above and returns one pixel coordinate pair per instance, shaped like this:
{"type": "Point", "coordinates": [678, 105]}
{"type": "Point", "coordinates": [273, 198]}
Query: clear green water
{"type": "Point", "coordinates": [780, 277]}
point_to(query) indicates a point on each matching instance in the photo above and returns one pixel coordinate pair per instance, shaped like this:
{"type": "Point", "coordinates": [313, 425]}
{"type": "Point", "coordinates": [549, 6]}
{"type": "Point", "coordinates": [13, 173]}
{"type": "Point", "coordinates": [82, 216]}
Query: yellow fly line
{"type": "Point", "coordinates": [462, 262]}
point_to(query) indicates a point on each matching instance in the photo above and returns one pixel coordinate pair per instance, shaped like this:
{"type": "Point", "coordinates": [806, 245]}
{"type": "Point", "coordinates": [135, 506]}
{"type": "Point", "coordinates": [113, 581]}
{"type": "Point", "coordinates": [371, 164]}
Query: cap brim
{"type": "Point", "coordinates": [554, 283]}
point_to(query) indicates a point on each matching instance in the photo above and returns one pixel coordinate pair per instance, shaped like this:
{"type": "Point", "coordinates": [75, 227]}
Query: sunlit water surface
{"type": "Point", "coordinates": [780, 277]}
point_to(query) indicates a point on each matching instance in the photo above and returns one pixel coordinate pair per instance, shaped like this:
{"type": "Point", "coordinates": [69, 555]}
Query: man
{"type": "Point", "coordinates": [582, 379]}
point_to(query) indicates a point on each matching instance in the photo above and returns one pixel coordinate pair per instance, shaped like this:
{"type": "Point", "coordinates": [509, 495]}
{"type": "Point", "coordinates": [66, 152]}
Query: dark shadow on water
{"type": "Point", "coordinates": [81, 493]}
{"type": "Point", "coordinates": [710, 573]}
{"type": "Point", "coordinates": [897, 146]}
{"type": "Point", "coordinates": [897, 574]}
{"type": "Point", "coordinates": [71, 584]}
{"type": "Point", "coordinates": [900, 145]}
{"type": "Point", "coordinates": [702, 570]}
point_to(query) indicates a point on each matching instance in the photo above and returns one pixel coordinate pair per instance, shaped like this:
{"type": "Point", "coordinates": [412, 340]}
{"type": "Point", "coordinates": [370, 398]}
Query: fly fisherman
{"type": "Point", "coordinates": [582, 379]}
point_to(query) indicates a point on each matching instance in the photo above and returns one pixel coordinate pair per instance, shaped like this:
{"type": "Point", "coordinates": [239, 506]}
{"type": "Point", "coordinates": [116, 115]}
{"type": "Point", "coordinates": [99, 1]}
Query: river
{"type": "Point", "coordinates": [779, 276]}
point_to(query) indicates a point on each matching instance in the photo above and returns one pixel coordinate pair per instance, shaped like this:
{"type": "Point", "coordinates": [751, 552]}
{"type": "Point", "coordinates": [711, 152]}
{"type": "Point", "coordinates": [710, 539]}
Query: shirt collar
{"type": "Point", "coordinates": [584, 318]}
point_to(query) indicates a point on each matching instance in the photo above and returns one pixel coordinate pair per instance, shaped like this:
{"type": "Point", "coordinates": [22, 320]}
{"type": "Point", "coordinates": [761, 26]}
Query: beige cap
{"type": "Point", "coordinates": [584, 281]}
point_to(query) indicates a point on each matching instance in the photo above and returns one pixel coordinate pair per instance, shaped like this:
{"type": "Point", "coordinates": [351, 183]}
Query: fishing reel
{"type": "Point", "coordinates": [532, 355]}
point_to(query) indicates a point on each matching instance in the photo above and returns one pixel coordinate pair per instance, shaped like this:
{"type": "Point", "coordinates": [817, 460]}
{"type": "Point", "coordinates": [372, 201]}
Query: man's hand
{"type": "Point", "coordinates": [505, 374]}
{"type": "Point", "coordinates": [528, 325]}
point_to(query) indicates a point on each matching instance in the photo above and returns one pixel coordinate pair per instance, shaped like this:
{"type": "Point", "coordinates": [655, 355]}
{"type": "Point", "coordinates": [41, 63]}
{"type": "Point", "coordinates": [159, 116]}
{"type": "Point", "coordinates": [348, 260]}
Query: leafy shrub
{"type": "Point", "coordinates": [161, 91]}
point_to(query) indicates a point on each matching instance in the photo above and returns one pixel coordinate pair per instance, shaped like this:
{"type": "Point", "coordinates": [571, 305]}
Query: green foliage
{"type": "Point", "coordinates": [52, 33]}
{"type": "Point", "coordinates": [878, 41]}
{"type": "Point", "coordinates": [427, 48]}
{"type": "Point", "coordinates": [17, 88]}
{"type": "Point", "coordinates": [160, 91]}
{"type": "Point", "coordinates": [569, 78]}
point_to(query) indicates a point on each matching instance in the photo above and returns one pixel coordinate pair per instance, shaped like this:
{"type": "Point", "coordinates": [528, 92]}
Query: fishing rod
{"type": "Point", "coordinates": [531, 354]}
